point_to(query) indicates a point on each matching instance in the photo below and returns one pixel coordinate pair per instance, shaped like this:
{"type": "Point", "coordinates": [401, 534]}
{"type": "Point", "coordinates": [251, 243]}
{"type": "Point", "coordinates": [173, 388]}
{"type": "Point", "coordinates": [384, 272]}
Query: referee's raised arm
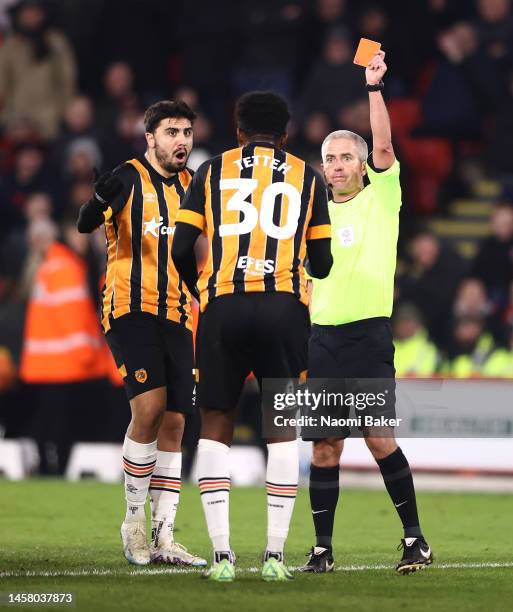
{"type": "Point", "coordinates": [382, 150]}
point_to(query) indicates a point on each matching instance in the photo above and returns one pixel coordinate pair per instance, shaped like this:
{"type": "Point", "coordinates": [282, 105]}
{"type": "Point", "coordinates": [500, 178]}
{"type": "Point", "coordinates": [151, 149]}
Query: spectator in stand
{"type": "Point", "coordinates": [415, 355]}
{"type": "Point", "coordinates": [472, 301]}
{"type": "Point", "coordinates": [325, 14]}
{"type": "Point", "coordinates": [14, 248]}
{"type": "Point", "coordinates": [500, 135]}
{"type": "Point", "coordinates": [507, 316]}
{"type": "Point", "coordinates": [202, 141]}
{"type": "Point", "coordinates": [78, 131]}
{"type": "Point", "coordinates": [473, 352]}
{"type": "Point", "coordinates": [119, 95]}
{"type": "Point", "coordinates": [262, 61]}
{"type": "Point", "coordinates": [431, 282]}
{"type": "Point", "coordinates": [29, 175]}
{"type": "Point", "coordinates": [188, 95]}
{"type": "Point", "coordinates": [37, 70]}
{"type": "Point", "coordinates": [495, 30]}
{"type": "Point", "coordinates": [127, 141]}
{"type": "Point", "coordinates": [334, 82]}
{"type": "Point", "coordinates": [355, 117]}
{"type": "Point", "coordinates": [494, 261]}
{"type": "Point", "coordinates": [63, 357]}
{"type": "Point", "coordinates": [471, 83]}
{"type": "Point", "coordinates": [20, 131]}
{"type": "Point", "coordinates": [313, 131]}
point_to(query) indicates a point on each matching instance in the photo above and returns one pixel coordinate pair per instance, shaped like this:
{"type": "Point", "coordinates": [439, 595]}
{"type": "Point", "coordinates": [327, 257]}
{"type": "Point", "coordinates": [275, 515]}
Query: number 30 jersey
{"type": "Point", "coordinates": [258, 206]}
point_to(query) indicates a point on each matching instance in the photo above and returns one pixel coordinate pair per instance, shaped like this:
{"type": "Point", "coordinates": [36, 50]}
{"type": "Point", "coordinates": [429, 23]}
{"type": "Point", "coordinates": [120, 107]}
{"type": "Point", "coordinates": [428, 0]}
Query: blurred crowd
{"type": "Point", "coordinates": [75, 78]}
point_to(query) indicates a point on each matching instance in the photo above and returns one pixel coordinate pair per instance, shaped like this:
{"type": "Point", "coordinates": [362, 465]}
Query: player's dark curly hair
{"type": "Point", "coordinates": [262, 112]}
{"type": "Point", "coordinates": [166, 109]}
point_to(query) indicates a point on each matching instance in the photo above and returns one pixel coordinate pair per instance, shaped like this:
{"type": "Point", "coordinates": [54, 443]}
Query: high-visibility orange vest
{"type": "Point", "coordinates": [63, 342]}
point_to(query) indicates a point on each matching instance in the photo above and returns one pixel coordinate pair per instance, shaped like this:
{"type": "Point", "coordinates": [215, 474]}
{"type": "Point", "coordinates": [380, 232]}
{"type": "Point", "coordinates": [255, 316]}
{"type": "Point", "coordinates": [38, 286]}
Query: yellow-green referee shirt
{"type": "Point", "coordinates": [364, 234]}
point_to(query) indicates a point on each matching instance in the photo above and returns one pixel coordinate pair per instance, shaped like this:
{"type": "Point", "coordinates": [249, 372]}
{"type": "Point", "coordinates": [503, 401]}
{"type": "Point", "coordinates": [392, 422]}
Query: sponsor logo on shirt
{"type": "Point", "coordinates": [155, 227]}
{"type": "Point", "coordinates": [255, 266]}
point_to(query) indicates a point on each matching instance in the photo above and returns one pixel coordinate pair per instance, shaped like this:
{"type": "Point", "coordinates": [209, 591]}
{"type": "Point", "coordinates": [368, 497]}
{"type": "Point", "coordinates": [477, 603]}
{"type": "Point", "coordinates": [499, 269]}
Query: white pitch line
{"type": "Point", "coordinates": [249, 570]}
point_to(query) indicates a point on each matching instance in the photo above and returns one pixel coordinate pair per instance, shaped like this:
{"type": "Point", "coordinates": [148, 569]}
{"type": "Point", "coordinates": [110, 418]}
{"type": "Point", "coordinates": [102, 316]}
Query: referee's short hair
{"type": "Point", "coordinates": [361, 145]}
{"type": "Point", "coordinates": [166, 109]}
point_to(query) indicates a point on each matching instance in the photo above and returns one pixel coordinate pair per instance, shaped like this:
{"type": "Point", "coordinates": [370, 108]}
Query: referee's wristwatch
{"type": "Point", "coordinates": [377, 87]}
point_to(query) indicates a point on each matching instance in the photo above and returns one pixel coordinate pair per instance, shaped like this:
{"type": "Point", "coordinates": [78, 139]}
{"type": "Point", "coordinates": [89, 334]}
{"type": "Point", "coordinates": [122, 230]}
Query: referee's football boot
{"type": "Point", "coordinates": [417, 555]}
{"type": "Point", "coordinates": [223, 567]}
{"type": "Point", "coordinates": [274, 569]}
{"type": "Point", "coordinates": [320, 561]}
{"type": "Point", "coordinates": [135, 545]}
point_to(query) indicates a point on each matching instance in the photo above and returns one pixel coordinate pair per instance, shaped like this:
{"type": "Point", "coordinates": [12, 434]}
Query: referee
{"type": "Point", "coordinates": [350, 310]}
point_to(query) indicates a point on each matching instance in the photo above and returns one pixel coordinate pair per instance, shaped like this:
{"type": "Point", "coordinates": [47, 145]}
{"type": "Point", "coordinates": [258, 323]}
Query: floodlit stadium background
{"type": "Point", "coordinates": [72, 97]}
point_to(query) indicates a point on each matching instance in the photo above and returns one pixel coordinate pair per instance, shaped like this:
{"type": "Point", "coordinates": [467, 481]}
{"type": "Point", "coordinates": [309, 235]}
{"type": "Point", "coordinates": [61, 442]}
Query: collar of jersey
{"type": "Point", "coordinates": [152, 171]}
{"type": "Point", "coordinates": [351, 200]}
{"type": "Point", "coordinates": [258, 143]}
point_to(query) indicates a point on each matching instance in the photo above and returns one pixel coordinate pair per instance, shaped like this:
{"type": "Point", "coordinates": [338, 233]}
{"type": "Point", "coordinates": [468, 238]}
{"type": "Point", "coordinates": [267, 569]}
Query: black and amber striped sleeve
{"type": "Point", "coordinates": [192, 207]}
{"type": "Point", "coordinates": [319, 225]}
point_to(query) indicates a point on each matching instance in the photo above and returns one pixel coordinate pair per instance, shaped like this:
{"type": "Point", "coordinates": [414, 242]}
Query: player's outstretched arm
{"type": "Point", "coordinates": [382, 151]}
{"type": "Point", "coordinates": [107, 188]}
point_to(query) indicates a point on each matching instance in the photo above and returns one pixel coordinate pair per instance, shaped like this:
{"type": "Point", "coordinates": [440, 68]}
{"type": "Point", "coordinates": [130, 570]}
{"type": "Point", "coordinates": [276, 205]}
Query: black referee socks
{"type": "Point", "coordinates": [396, 473]}
{"type": "Point", "coordinates": [324, 488]}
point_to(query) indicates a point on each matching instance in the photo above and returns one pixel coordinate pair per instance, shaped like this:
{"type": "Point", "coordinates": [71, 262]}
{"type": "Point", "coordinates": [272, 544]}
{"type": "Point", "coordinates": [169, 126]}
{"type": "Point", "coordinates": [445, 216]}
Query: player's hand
{"type": "Point", "coordinates": [376, 69]}
{"type": "Point", "coordinates": [106, 187]}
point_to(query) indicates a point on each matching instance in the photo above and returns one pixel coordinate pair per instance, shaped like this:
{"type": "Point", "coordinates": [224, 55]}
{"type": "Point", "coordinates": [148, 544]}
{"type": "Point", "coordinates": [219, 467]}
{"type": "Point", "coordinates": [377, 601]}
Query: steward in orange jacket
{"type": "Point", "coordinates": [63, 341]}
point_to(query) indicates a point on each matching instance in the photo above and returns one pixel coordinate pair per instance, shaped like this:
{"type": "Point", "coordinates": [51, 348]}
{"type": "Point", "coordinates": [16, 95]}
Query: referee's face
{"type": "Point", "coordinates": [343, 169]}
{"type": "Point", "coordinates": [171, 143]}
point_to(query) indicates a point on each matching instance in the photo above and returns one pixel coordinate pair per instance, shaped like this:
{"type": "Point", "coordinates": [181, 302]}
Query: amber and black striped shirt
{"type": "Point", "coordinates": [258, 205]}
{"type": "Point", "coordinates": [139, 226]}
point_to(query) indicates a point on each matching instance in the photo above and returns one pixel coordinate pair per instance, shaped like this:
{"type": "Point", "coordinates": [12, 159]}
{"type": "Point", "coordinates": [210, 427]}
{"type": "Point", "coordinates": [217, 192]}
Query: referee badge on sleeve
{"type": "Point", "coordinates": [346, 235]}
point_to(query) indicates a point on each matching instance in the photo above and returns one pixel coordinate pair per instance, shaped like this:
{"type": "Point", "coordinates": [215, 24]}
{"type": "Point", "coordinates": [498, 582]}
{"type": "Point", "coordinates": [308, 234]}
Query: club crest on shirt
{"type": "Point", "coordinates": [346, 235]}
{"type": "Point", "coordinates": [141, 375]}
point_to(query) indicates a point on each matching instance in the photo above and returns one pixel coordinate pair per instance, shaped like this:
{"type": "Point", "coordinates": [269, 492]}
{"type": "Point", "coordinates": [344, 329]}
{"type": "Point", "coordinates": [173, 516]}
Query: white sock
{"type": "Point", "coordinates": [165, 487]}
{"type": "Point", "coordinates": [138, 462]}
{"type": "Point", "coordinates": [214, 484]}
{"type": "Point", "coordinates": [281, 484]}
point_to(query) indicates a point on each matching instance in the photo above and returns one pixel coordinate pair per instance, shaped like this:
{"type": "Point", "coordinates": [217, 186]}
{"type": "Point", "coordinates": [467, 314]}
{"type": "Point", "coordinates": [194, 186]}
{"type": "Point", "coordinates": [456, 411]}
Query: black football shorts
{"type": "Point", "coordinates": [356, 357]}
{"type": "Point", "coordinates": [152, 352]}
{"type": "Point", "coordinates": [263, 333]}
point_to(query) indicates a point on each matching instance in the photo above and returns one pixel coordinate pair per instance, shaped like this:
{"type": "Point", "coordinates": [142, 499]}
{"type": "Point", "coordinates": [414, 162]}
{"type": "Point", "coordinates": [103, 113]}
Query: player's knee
{"type": "Point", "coordinates": [381, 447]}
{"type": "Point", "coordinates": [326, 453]}
{"type": "Point", "coordinates": [172, 427]}
{"type": "Point", "coordinates": [147, 415]}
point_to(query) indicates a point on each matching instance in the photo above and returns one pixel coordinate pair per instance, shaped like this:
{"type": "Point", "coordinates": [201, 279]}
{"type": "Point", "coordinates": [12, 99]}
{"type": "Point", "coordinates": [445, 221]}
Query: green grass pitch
{"type": "Point", "coordinates": [71, 533]}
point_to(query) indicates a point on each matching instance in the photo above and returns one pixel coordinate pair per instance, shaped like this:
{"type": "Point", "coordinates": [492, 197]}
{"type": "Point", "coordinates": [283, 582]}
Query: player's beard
{"type": "Point", "coordinates": [165, 161]}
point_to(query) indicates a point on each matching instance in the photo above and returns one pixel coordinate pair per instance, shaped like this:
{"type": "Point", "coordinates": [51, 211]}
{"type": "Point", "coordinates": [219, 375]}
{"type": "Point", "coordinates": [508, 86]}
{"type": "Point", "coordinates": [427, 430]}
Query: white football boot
{"type": "Point", "coordinates": [135, 545]}
{"type": "Point", "coordinates": [164, 550]}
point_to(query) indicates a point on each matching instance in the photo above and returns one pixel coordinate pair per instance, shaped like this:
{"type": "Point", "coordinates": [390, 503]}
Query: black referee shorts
{"type": "Point", "coordinates": [357, 357]}
{"type": "Point", "coordinates": [263, 333]}
{"type": "Point", "coordinates": [363, 349]}
{"type": "Point", "coordinates": [152, 352]}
